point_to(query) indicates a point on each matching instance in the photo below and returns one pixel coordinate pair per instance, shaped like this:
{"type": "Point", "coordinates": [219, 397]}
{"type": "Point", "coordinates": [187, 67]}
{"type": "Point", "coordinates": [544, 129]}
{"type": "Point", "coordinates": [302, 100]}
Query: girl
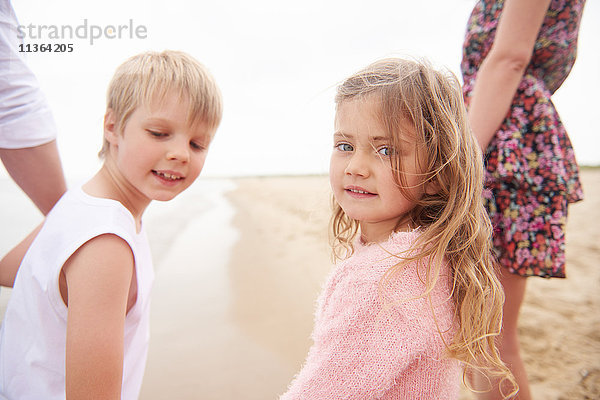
{"type": "Point", "coordinates": [415, 293]}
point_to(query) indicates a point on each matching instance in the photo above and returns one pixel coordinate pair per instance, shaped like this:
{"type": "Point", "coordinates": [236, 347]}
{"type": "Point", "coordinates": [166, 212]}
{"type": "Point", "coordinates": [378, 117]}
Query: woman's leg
{"type": "Point", "coordinates": [508, 345]}
{"type": "Point", "coordinates": [510, 349]}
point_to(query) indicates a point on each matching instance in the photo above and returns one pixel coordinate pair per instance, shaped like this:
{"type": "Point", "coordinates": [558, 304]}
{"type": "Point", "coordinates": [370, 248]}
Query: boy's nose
{"type": "Point", "coordinates": [179, 152]}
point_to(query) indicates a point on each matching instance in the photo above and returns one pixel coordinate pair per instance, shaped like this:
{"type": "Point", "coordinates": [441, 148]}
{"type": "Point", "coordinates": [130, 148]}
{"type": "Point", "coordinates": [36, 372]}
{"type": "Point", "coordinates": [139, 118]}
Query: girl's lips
{"type": "Point", "coordinates": [359, 193]}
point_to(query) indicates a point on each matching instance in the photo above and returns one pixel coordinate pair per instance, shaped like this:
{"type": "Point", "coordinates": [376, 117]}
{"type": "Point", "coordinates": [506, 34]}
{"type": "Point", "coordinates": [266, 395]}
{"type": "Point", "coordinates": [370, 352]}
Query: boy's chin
{"type": "Point", "coordinates": [165, 196]}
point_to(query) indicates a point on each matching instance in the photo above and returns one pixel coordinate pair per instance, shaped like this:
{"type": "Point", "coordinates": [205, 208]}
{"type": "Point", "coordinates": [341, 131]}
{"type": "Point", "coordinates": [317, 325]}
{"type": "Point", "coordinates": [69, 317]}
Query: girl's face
{"type": "Point", "coordinates": [361, 174]}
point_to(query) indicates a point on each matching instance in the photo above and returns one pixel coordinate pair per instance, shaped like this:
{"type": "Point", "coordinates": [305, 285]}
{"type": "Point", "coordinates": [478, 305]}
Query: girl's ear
{"type": "Point", "coordinates": [432, 186]}
{"type": "Point", "coordinates": [110, 133]}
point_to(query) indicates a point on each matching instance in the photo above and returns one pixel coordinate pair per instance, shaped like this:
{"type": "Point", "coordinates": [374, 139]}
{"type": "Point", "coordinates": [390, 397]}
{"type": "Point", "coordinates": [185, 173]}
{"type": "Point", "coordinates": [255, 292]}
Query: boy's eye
{"type": "Point", "coordinates": [156, 134]}
{"type": "Point", "coordinates": [196, 146]}
{"type": "Point", "coordinates": [344, 147]}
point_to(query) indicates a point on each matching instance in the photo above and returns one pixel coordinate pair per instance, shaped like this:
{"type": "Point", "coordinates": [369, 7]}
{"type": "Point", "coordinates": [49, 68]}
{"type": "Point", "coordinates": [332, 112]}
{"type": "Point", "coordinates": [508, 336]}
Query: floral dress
{"type": "Point", "coordinates": [531, 171]}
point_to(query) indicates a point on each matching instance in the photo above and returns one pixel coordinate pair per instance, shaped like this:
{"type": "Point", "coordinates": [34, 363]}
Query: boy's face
{"type": "Point", "coordinates": [158, 153]}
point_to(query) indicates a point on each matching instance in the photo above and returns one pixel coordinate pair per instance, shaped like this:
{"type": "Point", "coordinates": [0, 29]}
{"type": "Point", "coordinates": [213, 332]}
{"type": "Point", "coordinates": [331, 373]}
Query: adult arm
{"type": "Point", "coordinates": [9, 265]}
{"type": "Point", "coordinates": [38, 171]}
{"type": "Point", "coordinates": [98, 277]}
{"type": "Point", "coordinates": [502, 70]}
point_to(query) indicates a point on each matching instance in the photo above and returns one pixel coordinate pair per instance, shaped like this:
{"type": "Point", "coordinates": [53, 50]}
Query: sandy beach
{"type": "Point", "coordinates": [248, 341]}
{"type": "Point", "coordinates": [240, 262]}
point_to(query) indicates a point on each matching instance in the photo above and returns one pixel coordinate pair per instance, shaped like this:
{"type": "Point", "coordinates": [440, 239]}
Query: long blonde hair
{"type": "Point", "coordinates": [454, 225]}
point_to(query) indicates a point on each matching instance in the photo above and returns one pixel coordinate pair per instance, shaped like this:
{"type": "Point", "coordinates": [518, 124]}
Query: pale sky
{"type": "Point", "coordinates": [277, 64]}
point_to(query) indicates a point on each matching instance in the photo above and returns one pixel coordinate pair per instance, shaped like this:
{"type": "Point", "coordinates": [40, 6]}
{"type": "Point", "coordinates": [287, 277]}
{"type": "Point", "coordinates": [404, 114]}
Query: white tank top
{"type": "Point", "coordinates": [33, 332]}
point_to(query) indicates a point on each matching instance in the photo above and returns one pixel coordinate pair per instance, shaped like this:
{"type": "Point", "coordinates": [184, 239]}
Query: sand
{"type": "Point", "coordinates": [237, 276]}
{"type": "Point", "coordinates": [249, 342]}
{"type": "Point", "coordinates": [246, 331]}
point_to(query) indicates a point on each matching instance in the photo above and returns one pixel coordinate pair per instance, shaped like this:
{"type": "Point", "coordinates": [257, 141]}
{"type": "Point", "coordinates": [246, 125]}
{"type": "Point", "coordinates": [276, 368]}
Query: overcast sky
{"type": "Point", "coordinates": [277, 64]}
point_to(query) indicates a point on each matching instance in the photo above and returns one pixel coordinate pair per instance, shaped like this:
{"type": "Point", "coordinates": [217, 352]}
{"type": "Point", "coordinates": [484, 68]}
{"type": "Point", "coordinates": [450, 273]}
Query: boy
{"type": "Point", "coordinates": [77, 321]}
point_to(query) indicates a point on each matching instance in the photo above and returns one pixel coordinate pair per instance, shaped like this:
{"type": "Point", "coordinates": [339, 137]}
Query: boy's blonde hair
{"type": "Point", "coordinates": [453, 221]}
{"type": "Point", "coordinates": [150, 76]}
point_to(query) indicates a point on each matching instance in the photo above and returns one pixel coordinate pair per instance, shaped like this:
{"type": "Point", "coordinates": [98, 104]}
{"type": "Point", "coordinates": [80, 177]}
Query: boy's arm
{"type": "Point", "coordinates": [98, 277]}
{"type": "Point", "coordinates": [9, 265]}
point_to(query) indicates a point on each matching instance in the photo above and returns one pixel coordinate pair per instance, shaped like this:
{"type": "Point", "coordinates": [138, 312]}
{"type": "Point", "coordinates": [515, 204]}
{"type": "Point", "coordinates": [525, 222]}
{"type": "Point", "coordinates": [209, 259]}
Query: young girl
{"type": "Point", "coordinates": [415, 293]}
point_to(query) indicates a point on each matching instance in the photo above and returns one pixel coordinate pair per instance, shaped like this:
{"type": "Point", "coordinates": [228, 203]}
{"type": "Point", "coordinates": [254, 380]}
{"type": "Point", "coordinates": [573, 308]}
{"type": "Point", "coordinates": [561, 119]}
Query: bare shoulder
{"type": "Point", "coordinates": [108, 249]}
{"type": "Point", "coordinates": [102, 266]}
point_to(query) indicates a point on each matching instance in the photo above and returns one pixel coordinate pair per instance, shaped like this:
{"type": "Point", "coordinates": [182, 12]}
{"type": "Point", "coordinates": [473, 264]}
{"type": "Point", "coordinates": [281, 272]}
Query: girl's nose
{"type": "Point", "coordinates": [358, 165]}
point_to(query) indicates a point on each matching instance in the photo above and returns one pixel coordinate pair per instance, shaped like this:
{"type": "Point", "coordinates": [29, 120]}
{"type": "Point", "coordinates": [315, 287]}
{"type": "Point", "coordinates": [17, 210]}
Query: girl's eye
{"type": "Point", "coordinates": [385, 151]}
{"type": "Point", "coordinates": [344, 147]}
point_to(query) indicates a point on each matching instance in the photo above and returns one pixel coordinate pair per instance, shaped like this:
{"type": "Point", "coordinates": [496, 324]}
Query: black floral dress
{"type": "Point", "coordinates": [531, 171]}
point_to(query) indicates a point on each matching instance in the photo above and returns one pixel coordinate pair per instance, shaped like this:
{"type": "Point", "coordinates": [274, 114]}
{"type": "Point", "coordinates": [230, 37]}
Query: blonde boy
{"type": "Point", "coordinates": [77, 321]}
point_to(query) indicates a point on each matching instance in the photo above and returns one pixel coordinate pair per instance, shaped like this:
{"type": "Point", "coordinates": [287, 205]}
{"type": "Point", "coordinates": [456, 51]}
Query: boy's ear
{"type": "Point", "coordinates": [110, 132]}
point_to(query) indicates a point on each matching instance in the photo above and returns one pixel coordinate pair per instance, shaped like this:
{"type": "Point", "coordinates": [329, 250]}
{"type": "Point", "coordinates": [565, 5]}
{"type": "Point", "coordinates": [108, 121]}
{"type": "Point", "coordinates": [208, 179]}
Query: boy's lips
{"type": "Point", "coordinates": [172, 176]}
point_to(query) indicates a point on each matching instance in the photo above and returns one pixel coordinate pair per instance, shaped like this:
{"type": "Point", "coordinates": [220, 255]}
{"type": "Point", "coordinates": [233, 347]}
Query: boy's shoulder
{"type": "Point", "coordinates": [78, 211]}
{"type": "Point", "coordinates": [76, 219]}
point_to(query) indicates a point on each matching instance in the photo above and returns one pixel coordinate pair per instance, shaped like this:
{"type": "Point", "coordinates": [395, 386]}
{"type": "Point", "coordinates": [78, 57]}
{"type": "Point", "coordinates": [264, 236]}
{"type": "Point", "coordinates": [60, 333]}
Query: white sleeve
{"type": "Point", "coordinates": [25, 117]}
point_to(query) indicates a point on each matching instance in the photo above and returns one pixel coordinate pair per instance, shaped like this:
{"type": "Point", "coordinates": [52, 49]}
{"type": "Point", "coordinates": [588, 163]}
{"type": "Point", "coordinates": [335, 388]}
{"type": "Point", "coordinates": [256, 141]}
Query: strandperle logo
{"type": "Point", "coordinates": [82, 31]}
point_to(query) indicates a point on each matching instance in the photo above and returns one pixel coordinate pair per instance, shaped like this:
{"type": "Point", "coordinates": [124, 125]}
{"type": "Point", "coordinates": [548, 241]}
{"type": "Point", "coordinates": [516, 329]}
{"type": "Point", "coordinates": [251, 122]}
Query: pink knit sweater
{"type": "Point", "coordinates": [366, 348]}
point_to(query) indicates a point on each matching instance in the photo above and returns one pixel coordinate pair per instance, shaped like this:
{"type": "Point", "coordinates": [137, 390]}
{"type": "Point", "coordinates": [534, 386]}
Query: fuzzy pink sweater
{"type": "Point", "coordinates": [366, 348]}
